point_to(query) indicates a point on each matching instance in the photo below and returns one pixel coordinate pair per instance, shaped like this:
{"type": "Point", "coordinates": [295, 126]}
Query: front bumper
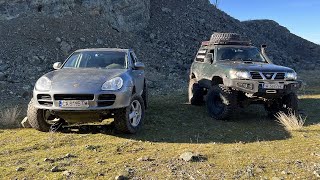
{"type": "Point", "coordinates": [117, 99]}
{"type": "Point", "coordinates": [256, 88]}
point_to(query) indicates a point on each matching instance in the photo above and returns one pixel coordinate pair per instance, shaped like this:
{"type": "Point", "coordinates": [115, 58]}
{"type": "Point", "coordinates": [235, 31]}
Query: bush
{"type": "Point", "coordinates": [9, 118]}
{"type": "Point", "coordinates": [290, 121]}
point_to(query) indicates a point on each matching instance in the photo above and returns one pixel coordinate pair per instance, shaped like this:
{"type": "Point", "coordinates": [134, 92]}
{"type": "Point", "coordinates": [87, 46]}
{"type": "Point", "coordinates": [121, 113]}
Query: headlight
{"type": "Point", "coordinates": [43, 84]}
{"type": "Point", "coordinates": [291, 76]}
{"type": "Point", "coordinates": [113, 84]}
{"type": "Point", "coordinates": [239, 74]}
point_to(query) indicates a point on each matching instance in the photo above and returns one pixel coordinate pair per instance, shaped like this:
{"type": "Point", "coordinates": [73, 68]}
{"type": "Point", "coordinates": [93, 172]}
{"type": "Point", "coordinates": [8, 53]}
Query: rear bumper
{"type": "Point", "coordinates": [256, 88]}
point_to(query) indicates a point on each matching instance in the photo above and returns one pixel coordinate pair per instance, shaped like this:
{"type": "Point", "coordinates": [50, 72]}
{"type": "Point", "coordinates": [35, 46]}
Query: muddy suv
{"type": "Point", "coordinates": [228, 72]}
{"type": "Point", "coordinates": [91, 85]}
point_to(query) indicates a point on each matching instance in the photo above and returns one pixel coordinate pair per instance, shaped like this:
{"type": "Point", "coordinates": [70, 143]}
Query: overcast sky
{"type": "Point", "coordinates": [301, 17]}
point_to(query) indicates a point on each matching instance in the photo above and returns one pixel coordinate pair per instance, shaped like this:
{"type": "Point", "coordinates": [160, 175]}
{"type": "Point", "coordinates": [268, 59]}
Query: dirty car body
{"type": "Point", "coordinates": [241, 75]}
{"type": "Point", "coordinates": [90, 85]}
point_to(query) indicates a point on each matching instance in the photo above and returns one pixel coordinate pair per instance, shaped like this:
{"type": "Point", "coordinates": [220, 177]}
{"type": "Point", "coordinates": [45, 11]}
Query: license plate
{"type": "Point", "coordinates": [74, 104]}
{"type": "Point", "coordinates": [273, 86]}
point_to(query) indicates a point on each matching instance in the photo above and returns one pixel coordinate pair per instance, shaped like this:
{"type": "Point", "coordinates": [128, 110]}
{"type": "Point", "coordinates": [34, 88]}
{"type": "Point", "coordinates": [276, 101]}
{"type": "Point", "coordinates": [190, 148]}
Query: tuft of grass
{"type": "Point", "coordinates": [290, 121]}
{"type": "Point", "coordinates": [9, 117]}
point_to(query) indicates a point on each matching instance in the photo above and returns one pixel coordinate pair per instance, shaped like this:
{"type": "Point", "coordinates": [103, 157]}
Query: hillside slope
{"type": "Point", "coordinates": [165, 35]}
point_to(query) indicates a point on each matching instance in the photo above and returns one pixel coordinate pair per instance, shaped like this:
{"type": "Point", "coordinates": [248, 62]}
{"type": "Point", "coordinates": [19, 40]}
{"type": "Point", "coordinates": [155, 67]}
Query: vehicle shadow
{"type": "Point", "coordinates": [171, 120]}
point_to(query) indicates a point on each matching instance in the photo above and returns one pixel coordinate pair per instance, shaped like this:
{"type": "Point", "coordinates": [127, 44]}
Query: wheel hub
{"type": "Point", "coordinates": [135, 113]}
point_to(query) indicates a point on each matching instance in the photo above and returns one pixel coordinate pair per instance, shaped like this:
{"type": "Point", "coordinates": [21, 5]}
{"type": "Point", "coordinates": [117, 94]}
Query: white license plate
{"type": "Point", "coordinates": [74, 104]}
{"type": "Point", "coordinates": [273, 86]}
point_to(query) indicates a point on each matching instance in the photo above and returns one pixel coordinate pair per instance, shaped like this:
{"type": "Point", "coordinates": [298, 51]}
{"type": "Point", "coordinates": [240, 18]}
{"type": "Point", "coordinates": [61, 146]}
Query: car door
{"type": "Point", "coordinates": [138, 75]}
{"type": "Point", "coordinates": [198, 64]}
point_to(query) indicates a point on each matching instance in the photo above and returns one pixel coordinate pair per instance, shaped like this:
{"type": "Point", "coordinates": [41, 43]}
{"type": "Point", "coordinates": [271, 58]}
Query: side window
{"type": "Point", "coordinates": [72, 61]}
{"type": "Point", "coordinates": [212, 52]}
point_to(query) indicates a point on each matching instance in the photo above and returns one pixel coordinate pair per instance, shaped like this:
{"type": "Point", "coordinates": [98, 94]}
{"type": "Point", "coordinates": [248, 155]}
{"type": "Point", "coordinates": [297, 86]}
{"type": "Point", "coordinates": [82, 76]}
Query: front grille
{"type": "Point", "coordinates": [255, 75]}
{"type": "Point", "coordinates": [45, 97]}
{"type": "Point", "coordinates": [280, 76]}
{"type": "Point", "coordinates": [107, 97]}
{"type": "Point", "coordinates": [105, 103]}
{"type": "Point", "coordinates": [106, 100]}
{"type": "Point", "coordinates": [73, 96]}
{"type": "Point", "coordinates": [46, 103]}
{"type": "Point", "coordinates": [268, 75]}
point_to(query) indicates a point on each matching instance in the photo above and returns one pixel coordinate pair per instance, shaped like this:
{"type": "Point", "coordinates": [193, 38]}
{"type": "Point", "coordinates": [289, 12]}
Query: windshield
{"type": "Point", "coordinates": [100, 60]}
{"type": "Point", "coordinates": [240, 54]}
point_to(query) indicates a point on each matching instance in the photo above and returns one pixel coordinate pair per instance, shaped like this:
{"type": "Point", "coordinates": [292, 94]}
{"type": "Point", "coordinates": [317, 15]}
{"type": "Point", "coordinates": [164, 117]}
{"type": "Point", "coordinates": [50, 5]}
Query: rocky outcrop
{"type": "Point", "coordinates": [124, 15]}
{"type": "Point", "coordinates": [165, 35]}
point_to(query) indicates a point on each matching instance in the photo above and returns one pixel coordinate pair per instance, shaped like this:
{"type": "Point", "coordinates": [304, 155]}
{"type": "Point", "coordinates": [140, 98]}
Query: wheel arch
{"type": "Point", "coordinates": [193, 76]}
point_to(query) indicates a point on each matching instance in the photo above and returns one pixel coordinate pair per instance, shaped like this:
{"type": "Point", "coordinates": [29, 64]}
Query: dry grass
{"type": "Point", "coordinates": [250, 146]}
{"type": "Point", "coordinates": [290, 121]}
{"type": "Point", "coordinates": [9, 118]}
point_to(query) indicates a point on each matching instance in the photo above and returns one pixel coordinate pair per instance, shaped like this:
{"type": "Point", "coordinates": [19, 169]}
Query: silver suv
{"type": "Point", "coordinates": [90, 86]}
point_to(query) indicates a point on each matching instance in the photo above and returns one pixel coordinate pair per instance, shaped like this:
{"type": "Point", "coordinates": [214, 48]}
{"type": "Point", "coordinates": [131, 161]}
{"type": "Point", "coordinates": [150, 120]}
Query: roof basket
{"type": "Point", "coordinates": [228, 39]}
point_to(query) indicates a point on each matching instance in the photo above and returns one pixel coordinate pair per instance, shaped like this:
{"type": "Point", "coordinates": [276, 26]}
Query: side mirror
{"type": "Point", "coordinates": [57, 65]}
{"type": "Point", "coordinates": [139, 66]}
{"type": "Point", "coordinates": [209, 58]}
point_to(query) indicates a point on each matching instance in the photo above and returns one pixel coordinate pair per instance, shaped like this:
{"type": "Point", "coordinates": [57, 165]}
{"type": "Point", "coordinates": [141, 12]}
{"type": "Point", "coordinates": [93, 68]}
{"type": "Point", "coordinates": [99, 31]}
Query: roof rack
{"type": "Point", "coordinates": [244, 43]}
{"type": "Point", "coordinates": [228, 39]}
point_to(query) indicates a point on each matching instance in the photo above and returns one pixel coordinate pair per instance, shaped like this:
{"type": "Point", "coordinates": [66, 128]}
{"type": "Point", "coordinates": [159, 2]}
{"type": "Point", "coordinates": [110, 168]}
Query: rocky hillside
{"type": "Point", "coordinates": [165, 35]}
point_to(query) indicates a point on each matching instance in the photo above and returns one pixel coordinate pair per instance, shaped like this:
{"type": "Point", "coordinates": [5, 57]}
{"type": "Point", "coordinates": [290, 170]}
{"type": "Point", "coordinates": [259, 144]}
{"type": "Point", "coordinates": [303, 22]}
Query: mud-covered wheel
{"type": "Point", "coordinates": [286, 104]}
{"type": "Point", "coordinates": [272, 108]}
{"type": "Point", "coordinates": [221, 102]}
{"type": "Point", "coordinates": [38, 118]}
{"type": "Point", "coordinates": [130, 119]}
{"type": "Point", "coordinates": [195, 93]}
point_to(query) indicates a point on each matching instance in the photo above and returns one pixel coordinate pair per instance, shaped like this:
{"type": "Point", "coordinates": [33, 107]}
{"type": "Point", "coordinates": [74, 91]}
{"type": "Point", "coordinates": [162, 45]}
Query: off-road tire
{"type": "Point", "coordinates": [121, 117]}
{"type": "Point", "coordinates": [145, 96]}
{"type": "Point", "coordinates": [286, 104]}
{"type": "Point", "coordinates": [273, 109]}
{"type": "Point", "coordinates": [290, 103]}
{"type": "Point", "coordinates": [36, 118]}
{"type": "Point", "coordinates": [221, 102]}
{"type": "Point", "coordinates": [195, 93]}
{"type": "Point", "coordinates": [217, 37]}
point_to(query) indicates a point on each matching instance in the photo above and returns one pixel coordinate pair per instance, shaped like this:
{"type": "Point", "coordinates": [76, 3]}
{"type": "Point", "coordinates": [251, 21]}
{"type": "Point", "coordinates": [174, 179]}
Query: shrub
{"type": "Point", "coordinates": [9, 117]}
{"type": "Point", "coordinates": [290, 121]}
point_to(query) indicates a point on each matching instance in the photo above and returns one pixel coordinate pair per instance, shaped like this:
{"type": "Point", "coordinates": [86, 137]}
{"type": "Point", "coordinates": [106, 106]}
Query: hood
{"type": "Point", "coordinates": [255, 66]}
{"type": "Point", "coordinates": [82, 79]}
